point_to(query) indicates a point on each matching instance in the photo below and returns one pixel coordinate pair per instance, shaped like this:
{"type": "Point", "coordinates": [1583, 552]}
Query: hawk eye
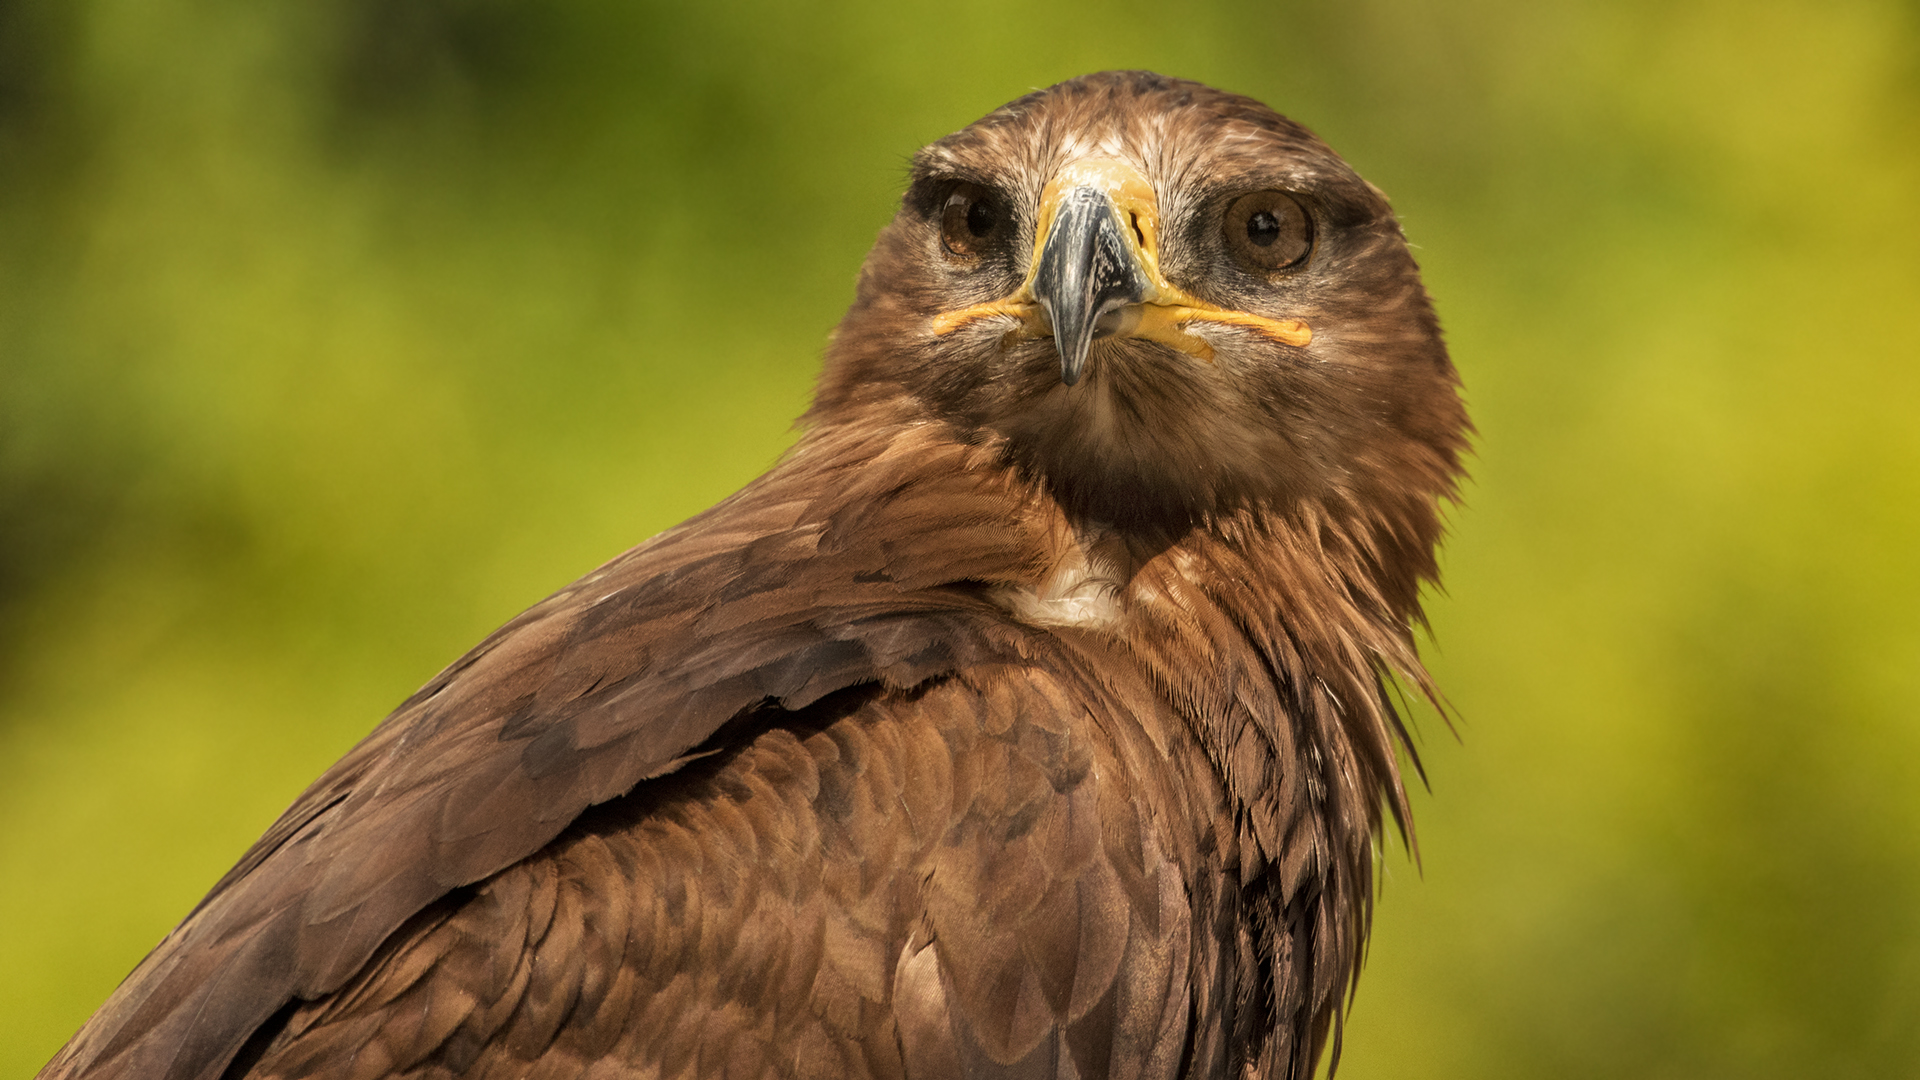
{"type": "Point", "coordinates": [971, 220]}
{"type": "Point", "coordinates": [1268, 230]}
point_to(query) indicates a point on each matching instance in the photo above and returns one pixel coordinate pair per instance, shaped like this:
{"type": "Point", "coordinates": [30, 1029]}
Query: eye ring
{"type": "Point", "coordinates": [1268, 231]}
{"type": "Point", "coordinates": [971, 221]}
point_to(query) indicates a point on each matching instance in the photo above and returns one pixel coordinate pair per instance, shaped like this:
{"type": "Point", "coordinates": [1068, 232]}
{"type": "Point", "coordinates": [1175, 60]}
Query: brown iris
{"type": "Point", "coordinates": [1268, 230]}
{"type": "Point", "coordinates": [971, 220]}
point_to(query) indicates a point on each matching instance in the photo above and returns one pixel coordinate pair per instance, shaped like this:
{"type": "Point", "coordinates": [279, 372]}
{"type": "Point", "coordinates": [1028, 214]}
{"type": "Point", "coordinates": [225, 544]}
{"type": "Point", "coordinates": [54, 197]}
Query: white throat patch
{"type": "Point", "coordinates": [1086, 587]}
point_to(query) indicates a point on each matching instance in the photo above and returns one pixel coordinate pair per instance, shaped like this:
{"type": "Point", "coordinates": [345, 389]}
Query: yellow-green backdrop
{"type": "Point", "coordinates": [334, 332]}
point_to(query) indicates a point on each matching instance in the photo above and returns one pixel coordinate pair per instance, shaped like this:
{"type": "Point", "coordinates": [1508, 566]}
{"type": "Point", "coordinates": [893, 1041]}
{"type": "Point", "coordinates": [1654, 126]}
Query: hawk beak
{"type": "Point", "coordinates": [1096, 271]}
{"type": "Point", "coordinates": [1086, 273]}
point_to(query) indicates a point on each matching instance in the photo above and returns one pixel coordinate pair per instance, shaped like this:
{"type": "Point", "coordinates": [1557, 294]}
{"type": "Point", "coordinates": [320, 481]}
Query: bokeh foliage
{"type": "Point", "coordinates": [334, 332]}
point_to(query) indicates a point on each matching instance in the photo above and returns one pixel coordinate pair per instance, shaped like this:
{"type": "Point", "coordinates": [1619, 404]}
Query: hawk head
{"type": "Point", "coordinates": [1167, 304]}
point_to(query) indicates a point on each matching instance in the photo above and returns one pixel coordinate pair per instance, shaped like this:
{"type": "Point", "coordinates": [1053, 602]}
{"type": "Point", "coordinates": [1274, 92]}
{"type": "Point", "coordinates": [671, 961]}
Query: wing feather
{"type": "Point", "coordinates": [779, 596]}
{"type": "Point", "coordinates": [667, 930]}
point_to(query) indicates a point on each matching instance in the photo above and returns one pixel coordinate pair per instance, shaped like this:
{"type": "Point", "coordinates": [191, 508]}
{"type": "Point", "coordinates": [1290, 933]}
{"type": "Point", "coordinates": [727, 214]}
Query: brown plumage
{"type": "Point", "coordinates": [1028, 720]}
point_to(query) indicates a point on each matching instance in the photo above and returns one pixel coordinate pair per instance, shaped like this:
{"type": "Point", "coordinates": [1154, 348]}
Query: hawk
{"type": "Point", "coordinates": [1030, 718]}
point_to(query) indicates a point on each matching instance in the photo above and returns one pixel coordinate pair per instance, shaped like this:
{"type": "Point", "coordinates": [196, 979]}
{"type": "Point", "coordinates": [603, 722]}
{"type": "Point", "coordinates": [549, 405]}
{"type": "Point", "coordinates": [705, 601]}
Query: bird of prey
{"type": "Point", "coordinates": [1031, 718]}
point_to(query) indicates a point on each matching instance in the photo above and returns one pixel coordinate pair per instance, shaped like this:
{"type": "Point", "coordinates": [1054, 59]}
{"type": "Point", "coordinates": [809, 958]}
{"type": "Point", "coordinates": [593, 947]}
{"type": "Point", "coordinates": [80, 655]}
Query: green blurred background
{"type": "Point", "coordinates": [334, 332]}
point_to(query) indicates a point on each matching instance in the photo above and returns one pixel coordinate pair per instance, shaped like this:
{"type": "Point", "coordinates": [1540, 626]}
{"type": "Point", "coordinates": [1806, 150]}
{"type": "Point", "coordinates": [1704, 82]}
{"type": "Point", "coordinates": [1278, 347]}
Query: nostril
{"type": "Point", "coordinates": [1138, 233]}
